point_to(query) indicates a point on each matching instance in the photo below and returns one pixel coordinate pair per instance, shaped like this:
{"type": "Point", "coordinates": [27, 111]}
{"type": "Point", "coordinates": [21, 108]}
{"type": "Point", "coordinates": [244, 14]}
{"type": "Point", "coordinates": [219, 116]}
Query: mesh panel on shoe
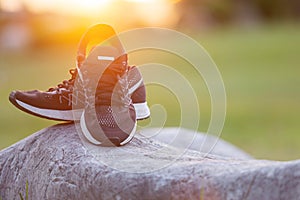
{"type": "Point", "coordinates": [105, 116]}
{"type": "Point", "coordinates": [113, 117]}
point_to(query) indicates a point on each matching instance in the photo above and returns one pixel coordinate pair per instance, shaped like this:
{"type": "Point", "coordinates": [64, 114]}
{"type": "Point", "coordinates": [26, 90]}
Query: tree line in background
{"type": "Point", "coordinates": [26, 29]}
{"type": "Point", "coordinates": [212, 12]}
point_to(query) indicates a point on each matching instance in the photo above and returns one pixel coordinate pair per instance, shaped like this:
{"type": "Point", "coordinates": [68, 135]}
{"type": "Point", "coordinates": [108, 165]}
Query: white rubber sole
{"type": "Point", "coordinates": [142, 112]}
{"type": "Point", "coordinates": [92, 140]}
{"type": "Point", "coordinates": [66, 115]}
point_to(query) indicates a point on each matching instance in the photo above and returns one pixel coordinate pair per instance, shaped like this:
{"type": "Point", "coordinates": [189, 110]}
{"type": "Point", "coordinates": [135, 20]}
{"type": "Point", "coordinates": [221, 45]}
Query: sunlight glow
{"type": "Point", "coordinates": [153, 1]}
{"type": "Point", "coordinates": [10, 5]}
{"type": "Point", "coordinates": [145, 1]}
{"type": "Point", "coordinates": [75, 7]}
{"type": "Point", "coordinates": [149, 12]}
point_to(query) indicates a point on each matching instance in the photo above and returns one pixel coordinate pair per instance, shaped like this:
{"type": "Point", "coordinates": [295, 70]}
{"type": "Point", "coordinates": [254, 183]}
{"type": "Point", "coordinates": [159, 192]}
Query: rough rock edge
{"type": "Point", "coordinates": [57, 166]}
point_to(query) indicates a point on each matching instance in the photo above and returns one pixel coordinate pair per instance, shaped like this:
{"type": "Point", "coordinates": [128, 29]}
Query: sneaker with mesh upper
{"type": "Point", "coordinates": [65, 103]}
{"type": "Point", "coordinates": [55, 103]}
{"type": "Point", "coordinates": [109, 117]}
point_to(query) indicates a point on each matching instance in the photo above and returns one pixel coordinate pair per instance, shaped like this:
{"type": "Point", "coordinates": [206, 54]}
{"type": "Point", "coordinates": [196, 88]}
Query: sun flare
{"type": "Point", "coordinates": [149, 12]}
{"type": "Point", "coordinates": [143, 1]}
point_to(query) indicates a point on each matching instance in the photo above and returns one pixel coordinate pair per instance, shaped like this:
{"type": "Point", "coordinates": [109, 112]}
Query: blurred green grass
{"type": "Point", "coordinates": [259, 66]}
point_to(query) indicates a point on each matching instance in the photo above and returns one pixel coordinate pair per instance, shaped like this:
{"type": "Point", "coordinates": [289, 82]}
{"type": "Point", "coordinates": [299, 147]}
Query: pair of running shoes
{"type": "Point", "coordinates": [104, 93]}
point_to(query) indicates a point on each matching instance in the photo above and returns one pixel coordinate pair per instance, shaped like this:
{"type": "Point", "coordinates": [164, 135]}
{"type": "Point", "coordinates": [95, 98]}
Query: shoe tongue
{"type": "Point", "coordinates": [103, 55]}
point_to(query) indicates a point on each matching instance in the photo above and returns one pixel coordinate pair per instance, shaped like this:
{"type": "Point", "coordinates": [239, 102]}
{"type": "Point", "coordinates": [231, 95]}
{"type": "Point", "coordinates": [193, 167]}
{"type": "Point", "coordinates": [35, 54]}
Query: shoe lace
{"type": "Point", "coordinates": [123, 93]}
{"type": "Point", "coordinates": [103, 93]}
{"type": "Point", "coordinates": [66, 84]}
{"type": "Point", "coordinates": [115, 89]}
{"type": "Point", "coordinates": [65, 89]}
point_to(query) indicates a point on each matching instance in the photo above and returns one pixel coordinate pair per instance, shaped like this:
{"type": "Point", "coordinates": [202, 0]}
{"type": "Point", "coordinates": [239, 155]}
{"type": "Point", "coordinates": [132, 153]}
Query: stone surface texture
{"type": "Point", "coordinates": [58, 163]}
